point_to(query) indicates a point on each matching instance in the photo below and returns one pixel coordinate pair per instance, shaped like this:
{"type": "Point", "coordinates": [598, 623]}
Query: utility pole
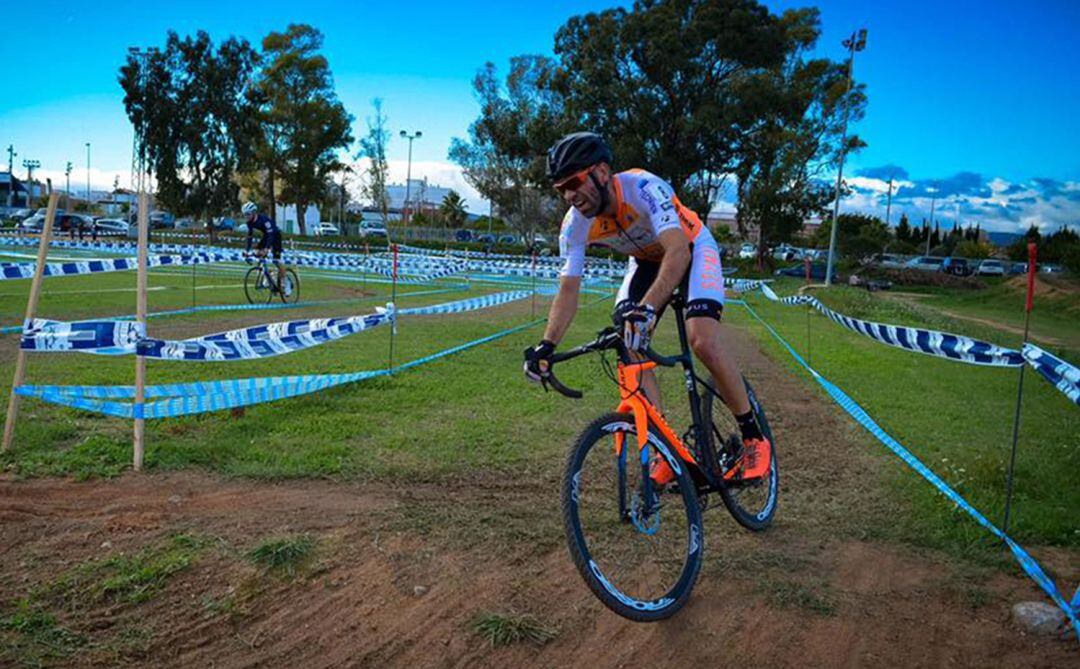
{"type": "Point", "coordinates": [857, 42]}
{"type": "Point", "coordinates": [11, 174]}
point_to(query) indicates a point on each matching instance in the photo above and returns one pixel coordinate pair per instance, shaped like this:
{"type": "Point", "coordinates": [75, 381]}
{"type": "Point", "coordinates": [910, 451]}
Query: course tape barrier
{"type": "Point", "coordinates": [931, 342]}
{"type": "Point", "coordinates": [17, 329]}
{"type": "Point", "coordinates": [1063, 375]}
{"type": "Point", "coordinates": [25, 270]}
{"type": "Point", "coordinates": [179, 399]}
{"type": "Point", "coordinates": [114, 337]}
{"type": "Point", "coordinates": [1027, 563]}
{"type": "Point", "coordinates": [1060, 374]}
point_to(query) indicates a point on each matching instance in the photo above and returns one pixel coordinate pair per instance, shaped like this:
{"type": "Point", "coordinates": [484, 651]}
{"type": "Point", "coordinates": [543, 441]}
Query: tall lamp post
{"type": "Point", "coordinates": [30, 166]}
{"type": "Point", "coordinates": [67, 188]}
{"type": "Point", "coordinates": [857, 42]}
{"type": "Point", "coordinates": [408, 170]}
{"type": "Point", "coordinates": [11, 175]}
{"type": "Point", "coordinates": [88, 177]}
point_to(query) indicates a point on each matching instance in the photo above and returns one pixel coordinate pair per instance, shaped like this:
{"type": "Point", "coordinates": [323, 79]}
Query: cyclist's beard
{"type": "Point", "coordinates": [605, 199]}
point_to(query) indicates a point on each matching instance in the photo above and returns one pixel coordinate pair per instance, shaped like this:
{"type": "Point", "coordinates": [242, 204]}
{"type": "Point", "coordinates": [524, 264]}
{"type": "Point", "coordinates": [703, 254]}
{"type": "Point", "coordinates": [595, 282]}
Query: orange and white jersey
{"type": "Point", "coordinates": [645, 206]}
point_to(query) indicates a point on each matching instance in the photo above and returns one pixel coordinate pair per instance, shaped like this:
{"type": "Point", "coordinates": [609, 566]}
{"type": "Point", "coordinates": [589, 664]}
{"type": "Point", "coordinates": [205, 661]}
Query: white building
{"type": "Point", "coordinates": [423, 196]}
{"type": "Point", "coordinates": [285, 215]}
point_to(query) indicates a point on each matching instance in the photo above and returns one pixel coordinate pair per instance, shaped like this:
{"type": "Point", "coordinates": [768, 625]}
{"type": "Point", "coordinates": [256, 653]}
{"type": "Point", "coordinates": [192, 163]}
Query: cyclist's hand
{"type": "Point", "coordinates": [636, 321]}
{"type": "Point", "coordinates": [538, 361]}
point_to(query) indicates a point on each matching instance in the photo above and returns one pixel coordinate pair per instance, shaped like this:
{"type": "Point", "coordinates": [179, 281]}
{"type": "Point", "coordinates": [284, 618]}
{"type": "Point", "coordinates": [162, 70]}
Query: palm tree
{"type": "Point", "coordinates": [452, 210]}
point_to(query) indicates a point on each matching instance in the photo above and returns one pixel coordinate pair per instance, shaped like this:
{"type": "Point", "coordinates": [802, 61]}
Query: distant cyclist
{"type": "Point", "coordinates": [637, 213]}
{"type": "Point", "coordinates": [270, 240]}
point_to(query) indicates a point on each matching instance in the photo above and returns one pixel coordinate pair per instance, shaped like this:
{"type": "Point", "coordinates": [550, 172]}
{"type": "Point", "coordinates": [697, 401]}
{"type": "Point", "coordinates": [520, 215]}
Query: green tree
{"type": "Point", "coordinates": [903, 230]}
{"type": "Point", "coordinates": [373, 147]}
{"type": "Point", "coordinates": [972, 249]}
{"type": "Point", "coordinates": [452, 210]}
{"type": "Point", "coordinates": [306, 125]}
{"type": "Point", "coordinates": [192, 108]}
{"type": "Point", "coordinates": [504, 155]}
{"type": "Point", "coordinates": [801, 105]}
{"type": "Point", "coordinates": [860, 235]}
{"type": "Point", "coordinates": [664, 82]}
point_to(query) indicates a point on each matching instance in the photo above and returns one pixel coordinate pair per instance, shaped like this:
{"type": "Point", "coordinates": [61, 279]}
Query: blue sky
{"type": "Point", "coordinates": [975, 100]}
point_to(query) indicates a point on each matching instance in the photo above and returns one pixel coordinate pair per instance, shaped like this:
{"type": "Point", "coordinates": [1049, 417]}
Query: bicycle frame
{"type": "Point", "coordinates": [634, 401]}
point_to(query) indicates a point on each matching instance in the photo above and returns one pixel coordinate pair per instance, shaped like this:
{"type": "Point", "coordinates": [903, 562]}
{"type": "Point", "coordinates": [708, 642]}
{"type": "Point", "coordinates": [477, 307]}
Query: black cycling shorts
{"type": "Point", "coordinates": [272, 241]}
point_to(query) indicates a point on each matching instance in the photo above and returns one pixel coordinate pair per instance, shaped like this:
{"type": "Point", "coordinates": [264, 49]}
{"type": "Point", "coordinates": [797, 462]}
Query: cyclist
{"type": "Point", "coordinates": [637, 213]}
{"type": "Point", "coordinates": [270, 240]}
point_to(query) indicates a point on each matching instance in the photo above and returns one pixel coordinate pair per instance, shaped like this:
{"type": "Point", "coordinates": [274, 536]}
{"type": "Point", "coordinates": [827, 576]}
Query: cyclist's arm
{"type": "Point", "coordinates": [250, 237]}
{"type": "Point", "coordinates": [563, 308]}
{"type": "Point", "coordinates": [672, 267]}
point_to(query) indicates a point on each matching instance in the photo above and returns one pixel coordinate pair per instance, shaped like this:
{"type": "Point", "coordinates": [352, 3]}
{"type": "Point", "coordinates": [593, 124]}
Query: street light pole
{"type": "Point", "coordinates": [88, 177]}
{"type": "Point", "coordinates": [11, 175]}
{"type": "Point", "coordinates": [857, 42]}
{"type": "Point", "coordinates": [888, 204]}
{"type": "Point", "coordinates": [30, 166]}
{"type": "Point", "coordinates": [929, 228]}
{"type": "Point", "coordinates": [67, 188]}
{"type": "Point", "coordinates": [408, 170]}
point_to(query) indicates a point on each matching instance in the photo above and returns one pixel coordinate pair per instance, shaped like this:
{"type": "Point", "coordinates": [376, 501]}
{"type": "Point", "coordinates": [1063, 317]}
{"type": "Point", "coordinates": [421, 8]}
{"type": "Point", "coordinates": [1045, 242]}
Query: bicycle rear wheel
{"type": "Point", "coordinates": [290, 292]}
{"type": "Point", "coordinates": [256, 287]}
{"type": "Point", "coordinates": [638, 548]}
{"type": "Point", "coordinates": [751, 503]}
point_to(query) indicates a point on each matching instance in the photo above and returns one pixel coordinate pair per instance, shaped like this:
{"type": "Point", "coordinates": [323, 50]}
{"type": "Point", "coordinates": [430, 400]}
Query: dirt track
{"type": "Point", "coordinates": [810, 592]}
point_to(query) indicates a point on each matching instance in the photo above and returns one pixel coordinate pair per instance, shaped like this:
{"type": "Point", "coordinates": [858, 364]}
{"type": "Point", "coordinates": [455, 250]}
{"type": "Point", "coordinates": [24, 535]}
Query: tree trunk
{"type": "Point", "coordinates": [301, 212]}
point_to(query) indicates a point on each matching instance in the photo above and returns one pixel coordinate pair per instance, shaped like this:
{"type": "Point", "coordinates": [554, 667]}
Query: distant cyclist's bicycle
{"type": "Point", "coordinates": [261, 285]}
{"type": "Point", "coordinates": [639, 545]}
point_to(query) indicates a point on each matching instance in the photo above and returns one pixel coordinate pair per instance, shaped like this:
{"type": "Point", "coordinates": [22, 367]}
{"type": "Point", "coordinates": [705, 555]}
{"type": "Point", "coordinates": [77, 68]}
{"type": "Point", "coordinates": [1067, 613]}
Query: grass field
{"type": "Point", "coordinates": [472, 411]}
{"type": "Point", "coordinates": [957, 418]}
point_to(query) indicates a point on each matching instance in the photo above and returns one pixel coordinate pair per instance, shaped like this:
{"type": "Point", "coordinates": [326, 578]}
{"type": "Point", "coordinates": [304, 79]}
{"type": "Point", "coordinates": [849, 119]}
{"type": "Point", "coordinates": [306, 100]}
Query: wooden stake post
{"type": "Point", "coordinates": [140, 315]}
{"type": "Point", "coordinates": [31, 312]}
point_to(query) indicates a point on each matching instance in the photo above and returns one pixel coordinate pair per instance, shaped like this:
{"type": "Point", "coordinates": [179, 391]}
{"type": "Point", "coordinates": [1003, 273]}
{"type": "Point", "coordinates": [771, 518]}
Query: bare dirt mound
{"type": "Point", "coordinates": [399, 573]}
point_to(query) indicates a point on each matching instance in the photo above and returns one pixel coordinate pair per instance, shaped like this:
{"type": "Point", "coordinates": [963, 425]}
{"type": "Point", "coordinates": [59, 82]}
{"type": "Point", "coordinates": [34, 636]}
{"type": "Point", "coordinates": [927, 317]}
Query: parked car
{"type": "Point", "coordinates": [185, 224]}
{"type": "Point", "coordinates": [957, 266]}
{"type": "Point", "coordinates": [485, 238]}
{"type": "Point", "coordinates": [887, 261]}
{"type": "Point", "coordinates": [21, 214]}
{"type": "Point", "coordinates": [785, 252]}
{"type": "Point", "coordinates": [327, 228]}
{"type": "Point", "coordinates": [747, 251]}
{"type": "Point", "coordinates": [508, 239]}
{"type": "Point", "coordinates": [817, 271]}
{"type": "Point", "coordinates": [32, 223]}
{"type": "Point", "coordinates": [463, 235]}
{"type": "Point", "coordinates": [1018, 268]}
{"type": "Point", "coordinates": [991, 267]}
{"type": "Point", "coordinates": [925, 263]}
{"type": "Point", "coordinates": [372, 229]}
{"type": "Point", "coordinates": [112, 226]}
{"type": "Point", "coordinates": [1051, 268]}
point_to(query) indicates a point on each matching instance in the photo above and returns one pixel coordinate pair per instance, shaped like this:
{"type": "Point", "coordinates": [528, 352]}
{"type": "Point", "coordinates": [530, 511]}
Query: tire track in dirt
{"type": "Point", "coordinates": [811, 592]}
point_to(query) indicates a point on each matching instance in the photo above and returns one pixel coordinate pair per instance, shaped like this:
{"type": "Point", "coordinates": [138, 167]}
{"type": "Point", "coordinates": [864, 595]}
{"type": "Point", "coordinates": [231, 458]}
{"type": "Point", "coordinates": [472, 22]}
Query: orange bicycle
{"type": "Point", "coordinates": [639, 545]}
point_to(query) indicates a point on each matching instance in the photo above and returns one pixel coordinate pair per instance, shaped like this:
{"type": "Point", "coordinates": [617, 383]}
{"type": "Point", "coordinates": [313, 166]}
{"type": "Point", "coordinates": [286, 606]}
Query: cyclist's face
{"type": "Point", "coordinates": [580, 191]}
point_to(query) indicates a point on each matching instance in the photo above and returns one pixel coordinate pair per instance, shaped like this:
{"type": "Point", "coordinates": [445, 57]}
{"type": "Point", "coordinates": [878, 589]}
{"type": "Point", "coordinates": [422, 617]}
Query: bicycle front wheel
{"type": "Point", "coordinates": [256, 287]}
{"type": "Point", "coordinates": [751, 503]}
{"type": "Point", "coordinates": [638, 547]}
{"type": "Point", "coordinates": [290, 291]}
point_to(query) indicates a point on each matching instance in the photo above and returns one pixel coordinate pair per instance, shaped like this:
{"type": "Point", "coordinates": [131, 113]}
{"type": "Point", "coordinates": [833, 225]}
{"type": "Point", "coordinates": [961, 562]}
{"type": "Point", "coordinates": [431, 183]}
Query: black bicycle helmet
{"type": "Point", "coordinates": [575, 152]}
